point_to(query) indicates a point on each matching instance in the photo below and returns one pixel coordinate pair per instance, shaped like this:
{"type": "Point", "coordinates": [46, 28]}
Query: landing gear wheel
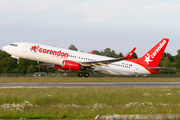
{"type": "Point", "coordinates": [80, 74]}
{"type": "Point", "coordinates": [86, 74]}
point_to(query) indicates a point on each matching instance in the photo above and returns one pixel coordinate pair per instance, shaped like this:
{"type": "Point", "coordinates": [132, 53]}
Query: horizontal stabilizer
{"type": "Point", "coordinates": [161, 68]}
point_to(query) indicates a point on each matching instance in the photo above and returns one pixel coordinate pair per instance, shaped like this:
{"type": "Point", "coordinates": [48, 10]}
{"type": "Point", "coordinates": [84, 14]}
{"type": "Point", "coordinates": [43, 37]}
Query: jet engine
{"type": "Point", "coordinates": [59, 67]}
{"type": "Point", "coordinates": [68, 65]}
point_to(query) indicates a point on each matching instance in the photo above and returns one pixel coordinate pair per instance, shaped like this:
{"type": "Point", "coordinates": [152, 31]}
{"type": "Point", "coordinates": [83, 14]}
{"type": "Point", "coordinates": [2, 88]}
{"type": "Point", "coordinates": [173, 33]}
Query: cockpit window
{"type": "Point", "coordinates": [14, 45]}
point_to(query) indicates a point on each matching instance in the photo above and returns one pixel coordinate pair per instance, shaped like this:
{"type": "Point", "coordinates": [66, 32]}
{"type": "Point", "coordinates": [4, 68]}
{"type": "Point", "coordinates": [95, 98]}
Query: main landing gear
{"type": "Point", "coordinates": [86, 74]}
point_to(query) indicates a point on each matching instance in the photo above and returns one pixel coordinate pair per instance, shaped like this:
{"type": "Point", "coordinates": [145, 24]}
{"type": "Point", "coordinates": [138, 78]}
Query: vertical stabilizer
{"type": "Point", "coordinates": [153, 56]}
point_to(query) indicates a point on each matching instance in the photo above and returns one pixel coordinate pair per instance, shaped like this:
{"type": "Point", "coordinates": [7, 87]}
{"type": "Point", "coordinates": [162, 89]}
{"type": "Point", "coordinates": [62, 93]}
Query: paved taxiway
{"type": "Point", "coordinates": [118, 84]}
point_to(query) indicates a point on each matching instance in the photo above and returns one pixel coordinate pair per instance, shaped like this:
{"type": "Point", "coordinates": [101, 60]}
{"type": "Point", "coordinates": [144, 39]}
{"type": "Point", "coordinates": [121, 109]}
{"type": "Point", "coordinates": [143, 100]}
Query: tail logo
{"type": "Point", "coordinates": [151, 55]}
{"type": "Point", "coordinates": [158, 49]}
{"type": "Point", "coordinates": [147, 58]}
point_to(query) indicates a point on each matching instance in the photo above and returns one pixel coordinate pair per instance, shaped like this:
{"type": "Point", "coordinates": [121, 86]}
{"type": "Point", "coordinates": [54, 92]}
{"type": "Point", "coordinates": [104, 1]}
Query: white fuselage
{"type": "Point", "coordinates": [48, 54]}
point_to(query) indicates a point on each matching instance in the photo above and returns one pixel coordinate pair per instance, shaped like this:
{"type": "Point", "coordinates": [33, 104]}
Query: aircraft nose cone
{"type": "Point", "coordinates": [5, 48]}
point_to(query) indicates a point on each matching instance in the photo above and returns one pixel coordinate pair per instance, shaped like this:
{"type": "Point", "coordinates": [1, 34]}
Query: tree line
{"type": "Point", "coordinates": [9, 64]}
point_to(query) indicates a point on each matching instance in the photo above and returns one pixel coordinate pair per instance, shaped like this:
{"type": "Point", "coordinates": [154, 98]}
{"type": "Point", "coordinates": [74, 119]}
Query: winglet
{"type": "Point", "coordinates": [130, 54]}
{"type": "Point", "coordinates": [92, 52]}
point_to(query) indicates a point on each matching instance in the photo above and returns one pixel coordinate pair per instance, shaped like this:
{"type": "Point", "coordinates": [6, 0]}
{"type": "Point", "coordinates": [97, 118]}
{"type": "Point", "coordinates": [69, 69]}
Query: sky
{"type": "Point", "coordinates": [92, 24]}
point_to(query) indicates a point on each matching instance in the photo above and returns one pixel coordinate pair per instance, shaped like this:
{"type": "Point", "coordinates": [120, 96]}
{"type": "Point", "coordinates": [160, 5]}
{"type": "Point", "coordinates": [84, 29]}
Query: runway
{"type": "Point", "coordinates": [118, 84]}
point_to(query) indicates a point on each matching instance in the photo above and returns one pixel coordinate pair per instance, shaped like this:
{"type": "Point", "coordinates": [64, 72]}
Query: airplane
{"type": "Point", "coordinates": [65, 59]}
{"type": "Point", "coordinates": [59, 67]}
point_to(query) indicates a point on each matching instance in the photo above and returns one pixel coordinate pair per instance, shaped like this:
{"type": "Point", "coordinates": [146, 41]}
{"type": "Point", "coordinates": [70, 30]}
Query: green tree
{"type": "Point", "coordinates": [72, 47]}
{"type": "Point", "coordinates": [177, 60]}
{"type": "Point", "coordinates": [134, 56]}
{"type": "Point", "coordinates": [4, 70]}
{"type": "Point", "coordinates": [165, 62]}
{"type": "Point", "coordinates": [7, 64]}
{"type": "Point", "coordinates": [96, 52]}
{"type": "Point", "coordinates": [110, 53]}
{"type": "Point", "coordinates": [107, 52]}
{"type": "Point", "coordinates": [121, 55]}
{"type": "Point", "coordinates": [30, 69]}
{"type": "Point", "coordinates": [171, 58]}
{"type": "Point", "coordinates": [24, 64]}
{"type": "Point", "coordinates": [113, 54]}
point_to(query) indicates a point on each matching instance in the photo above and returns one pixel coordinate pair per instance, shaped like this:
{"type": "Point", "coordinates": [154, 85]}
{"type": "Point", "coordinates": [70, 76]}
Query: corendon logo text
{"type": "Point", "coordinates": [158, 49]}
{"type": "Point", "coordinates": [36, 49]}
{"type": "Point", "coordinates": [147, 58]}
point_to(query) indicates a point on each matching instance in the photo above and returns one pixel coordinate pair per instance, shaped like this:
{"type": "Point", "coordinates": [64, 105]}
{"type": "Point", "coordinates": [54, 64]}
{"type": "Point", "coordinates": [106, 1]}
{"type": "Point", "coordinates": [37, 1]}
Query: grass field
{"type": "Point", "coordinates": [90, 79]}
{"type": "Point", "coordinates": [86, 103]}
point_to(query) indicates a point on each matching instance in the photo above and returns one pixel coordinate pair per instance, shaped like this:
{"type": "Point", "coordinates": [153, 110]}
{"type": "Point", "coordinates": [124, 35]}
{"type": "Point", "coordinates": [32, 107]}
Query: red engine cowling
{"type": "Point", "coordinates": [68, 65]}
{"type": "Point", "coordinates": [59, 67]}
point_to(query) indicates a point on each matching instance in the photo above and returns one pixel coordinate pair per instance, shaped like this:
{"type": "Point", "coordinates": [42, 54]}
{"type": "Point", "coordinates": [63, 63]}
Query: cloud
{"type": "Point", "coordinates": [98, 11]}
{"type": "Point", "coordinates": [8, 22]}
{"type": "Point", "coordinates": [162, 8]}
{"type": "Point", "coordinates": [90, 12]}
{"type": "Point", "coordinates": [95, 12]}
{"type": "Point", "coordinates": [24, 6]}
{"type": "Point", "coordinates": [12, 11]}
{"type": "Point", "coordinates": [68, 12]}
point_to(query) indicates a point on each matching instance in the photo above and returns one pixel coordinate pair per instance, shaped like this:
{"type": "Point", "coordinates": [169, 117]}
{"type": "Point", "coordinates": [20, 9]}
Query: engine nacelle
{"type": "Point", "coordinates": [68, 65]}
{"type": "Point", "coordinates": [59, 67]}
{"type": "Point", "coordinates": [71, 65]}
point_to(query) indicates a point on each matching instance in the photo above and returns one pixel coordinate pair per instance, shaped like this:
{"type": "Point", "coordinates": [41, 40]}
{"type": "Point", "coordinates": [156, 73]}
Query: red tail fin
{"type": "Point", "coordinates": [153, 56]}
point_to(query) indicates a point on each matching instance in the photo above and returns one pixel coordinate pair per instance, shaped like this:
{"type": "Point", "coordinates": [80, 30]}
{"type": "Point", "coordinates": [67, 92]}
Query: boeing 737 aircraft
{"type": "Point", "coordinates": [72, 60]}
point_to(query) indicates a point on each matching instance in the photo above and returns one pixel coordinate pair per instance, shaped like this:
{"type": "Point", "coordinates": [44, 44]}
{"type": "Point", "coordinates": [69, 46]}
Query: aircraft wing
{"type": "Point", "coordinates": [94, 64]}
